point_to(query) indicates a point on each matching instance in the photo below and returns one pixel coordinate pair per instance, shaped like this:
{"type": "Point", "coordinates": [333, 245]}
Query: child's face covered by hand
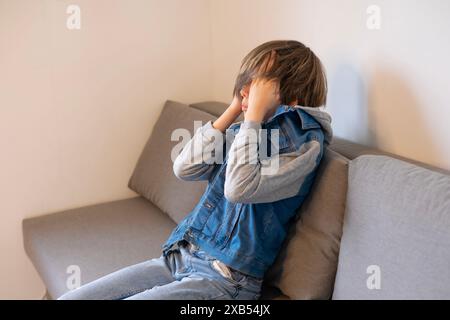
{"type": "Point", "coordinates": [244, 97]}
{"type": "Point", "coordinates": [261, 94]}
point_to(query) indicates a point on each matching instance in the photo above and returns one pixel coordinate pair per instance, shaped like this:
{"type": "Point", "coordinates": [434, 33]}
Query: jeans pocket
{"type": "Point", "coordinates": [251, 290]}
{"type": "Point", "coordinates": [183, 263]}
{"type": "Point", "coordinates": [231, 276]}
{"type": "Point", "coordinates": [238, 277]}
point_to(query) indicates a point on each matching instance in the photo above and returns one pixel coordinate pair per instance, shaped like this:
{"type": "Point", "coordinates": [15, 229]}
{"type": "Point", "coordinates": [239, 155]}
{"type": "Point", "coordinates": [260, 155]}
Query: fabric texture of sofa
{"type": "Point", "coordinates": [367, 209]}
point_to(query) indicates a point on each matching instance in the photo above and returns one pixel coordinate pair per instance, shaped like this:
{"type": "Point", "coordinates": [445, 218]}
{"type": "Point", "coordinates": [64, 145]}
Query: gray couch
{"type": "Point", "coordinates": [375, 226]}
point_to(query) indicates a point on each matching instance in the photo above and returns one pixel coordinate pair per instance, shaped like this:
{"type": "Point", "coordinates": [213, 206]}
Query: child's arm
{"type": "Point", "coordinates": [249, 180]}
{"type": "Point", "coordinates": [228, 116]}
{"type": "Point", "coordinates": [198, 157]}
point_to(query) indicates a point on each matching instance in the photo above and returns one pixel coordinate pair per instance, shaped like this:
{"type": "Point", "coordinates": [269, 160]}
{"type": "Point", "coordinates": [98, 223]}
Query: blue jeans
{"type": "Point", "coordinates": [185, 273]}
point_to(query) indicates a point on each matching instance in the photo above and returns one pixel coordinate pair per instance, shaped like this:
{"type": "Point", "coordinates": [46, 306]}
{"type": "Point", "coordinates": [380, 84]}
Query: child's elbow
{"type": "Point", "coordinates": [232, 196]}
{"type": "Point", "coordinates": [180, 172]}
{"type": "Point", "coordinates": [235, 195]}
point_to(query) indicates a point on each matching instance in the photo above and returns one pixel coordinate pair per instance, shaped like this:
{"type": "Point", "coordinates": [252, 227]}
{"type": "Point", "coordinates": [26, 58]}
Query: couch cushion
{"type": "Point", "coordinates": [98, 238]}
{"type": "Point", "coordinates": [153, 177]}
{"type": "Point", "coordinates": [306, 265]}
{"type": "Point", "coordinates": [271, 293]}
{"type": "Point", "coordinates": [396, 237]}
{"type": "Point", "coordinates": [352, 150]}
{"type": "Point", "coordinates": [215, 108]}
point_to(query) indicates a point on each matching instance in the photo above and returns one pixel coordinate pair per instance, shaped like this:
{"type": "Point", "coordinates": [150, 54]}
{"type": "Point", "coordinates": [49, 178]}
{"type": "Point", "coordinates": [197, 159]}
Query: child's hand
{"type": "Point", "coordinates": [229, 115]}
{"type": "Point", "coordinates": [236, 105]}
{"type": "Point", "coordinates": [264, 97]}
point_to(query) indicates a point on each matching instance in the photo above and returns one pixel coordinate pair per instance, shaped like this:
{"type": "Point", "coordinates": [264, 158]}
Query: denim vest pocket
{"type": "Point", "coordinates": [228, 227]}
{"type": "Point", "coordinates": [217, 218]}
{"type": "Point", "coordinates": [213, 204]}
{"type": "Point", "coordinates": [281, 140]}
{"type": "Point", "coordinates": [211, 201]}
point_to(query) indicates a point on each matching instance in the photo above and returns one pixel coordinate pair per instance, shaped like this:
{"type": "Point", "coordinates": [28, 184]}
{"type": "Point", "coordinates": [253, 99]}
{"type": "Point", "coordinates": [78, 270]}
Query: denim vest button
{"type": "Point", "coordinates": [208, 205]}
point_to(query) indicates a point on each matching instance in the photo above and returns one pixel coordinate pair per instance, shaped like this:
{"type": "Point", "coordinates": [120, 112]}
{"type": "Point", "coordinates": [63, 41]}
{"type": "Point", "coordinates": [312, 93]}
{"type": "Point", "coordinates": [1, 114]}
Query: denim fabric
{"type": "Point", "coordinates": [246, 228]}
{"type": "Point", "coordinates": [185, 273]}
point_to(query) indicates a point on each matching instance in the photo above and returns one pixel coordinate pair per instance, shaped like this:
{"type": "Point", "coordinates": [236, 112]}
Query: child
{"type": "Point", "coordinates": [223, 247]}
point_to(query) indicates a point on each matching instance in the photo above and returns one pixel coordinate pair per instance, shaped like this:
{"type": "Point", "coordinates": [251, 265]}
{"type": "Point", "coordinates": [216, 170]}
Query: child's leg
{"type": "Point", "coordinates": [125, 282]}
{"type": "Point", "coordinates": [191, 287]}
{"type": "Point", "coordinates": [197, 279]}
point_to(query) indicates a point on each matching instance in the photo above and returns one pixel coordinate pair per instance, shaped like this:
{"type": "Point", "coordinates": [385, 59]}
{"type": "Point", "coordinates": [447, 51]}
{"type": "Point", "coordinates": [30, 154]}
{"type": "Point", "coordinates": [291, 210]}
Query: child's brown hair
{"type": "Point", "coordinates": [298, 70]}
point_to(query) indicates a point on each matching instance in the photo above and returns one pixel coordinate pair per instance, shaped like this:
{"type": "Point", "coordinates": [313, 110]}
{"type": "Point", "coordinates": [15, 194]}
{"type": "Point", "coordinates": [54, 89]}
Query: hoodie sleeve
{"type": "Point", "coordinates": [197, 159]}
{"type": "Point", "coordinates": [251, 180]}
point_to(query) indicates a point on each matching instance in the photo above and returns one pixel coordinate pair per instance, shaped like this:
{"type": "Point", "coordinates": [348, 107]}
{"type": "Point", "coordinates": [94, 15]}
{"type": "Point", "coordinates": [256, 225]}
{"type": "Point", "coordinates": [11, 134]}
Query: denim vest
{"type": "Point", "coordinates": [248, 236]}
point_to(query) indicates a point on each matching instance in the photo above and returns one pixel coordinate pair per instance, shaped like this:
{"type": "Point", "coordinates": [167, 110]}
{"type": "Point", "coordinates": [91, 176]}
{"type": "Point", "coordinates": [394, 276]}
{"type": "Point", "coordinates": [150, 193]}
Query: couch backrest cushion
{"type": "Point", "coordinates": [306, 266]}
{"type": "Point", "coordinates": [153, 176]}
{"type": "Point", "coordinates": [396, 239]}
{"type": "Point", "coordinates": [352, 150]}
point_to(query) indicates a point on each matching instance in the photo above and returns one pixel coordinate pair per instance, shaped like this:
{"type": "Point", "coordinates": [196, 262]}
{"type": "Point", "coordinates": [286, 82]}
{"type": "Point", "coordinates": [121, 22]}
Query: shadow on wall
{"type": "Point", "coordinates": [347, 102]}
{"type": "Point", "coordinates": [380, 111]}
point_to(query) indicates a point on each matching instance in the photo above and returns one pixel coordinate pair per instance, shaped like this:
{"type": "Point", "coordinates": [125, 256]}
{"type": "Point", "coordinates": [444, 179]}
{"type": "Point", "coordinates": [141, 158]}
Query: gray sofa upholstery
{"type": "Point", "coordinates": [99, 239]}
{"type": "Point", "coordinates": [313, 264]}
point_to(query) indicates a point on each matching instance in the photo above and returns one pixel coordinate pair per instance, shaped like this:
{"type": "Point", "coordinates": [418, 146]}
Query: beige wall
{"type": "Point", "coordinates": [387, 88]}
{"type": "Point", "coordinates": [76, 107]}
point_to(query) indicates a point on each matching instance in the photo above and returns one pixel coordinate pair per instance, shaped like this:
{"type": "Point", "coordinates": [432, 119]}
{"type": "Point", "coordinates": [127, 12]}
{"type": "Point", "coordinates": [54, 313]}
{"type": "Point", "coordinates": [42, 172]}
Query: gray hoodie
{"type": "Point", "coordinates": [246, 178]}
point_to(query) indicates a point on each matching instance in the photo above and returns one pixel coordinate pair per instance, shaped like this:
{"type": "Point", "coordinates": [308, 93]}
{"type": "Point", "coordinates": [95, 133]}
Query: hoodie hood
{"type": "Point", "coordinates": [323, 118]}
